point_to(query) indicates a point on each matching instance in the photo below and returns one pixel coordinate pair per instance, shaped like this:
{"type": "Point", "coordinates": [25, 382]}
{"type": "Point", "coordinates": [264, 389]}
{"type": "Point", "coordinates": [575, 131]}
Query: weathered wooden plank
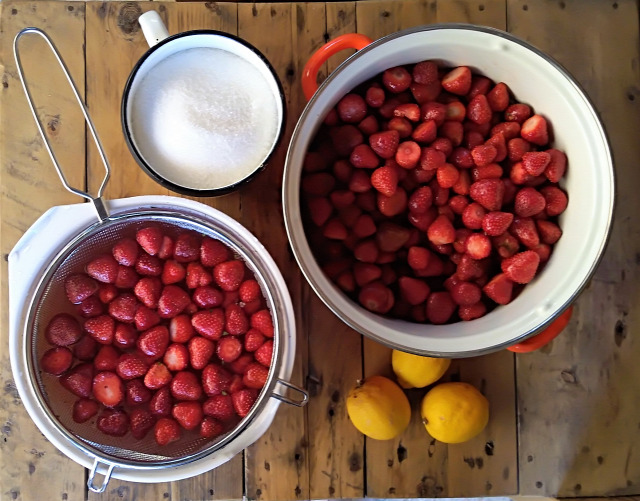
{"type": "Point", "coordinates": [277, 465]}
{"type": "Point", "coordinates": [577, 399]}
{"type": "Point", "coordinates": [29, 186]}
{"type": "Point", "coordinates": [335, 446]}
{"type": "Point", "coordinates": [115, 26]}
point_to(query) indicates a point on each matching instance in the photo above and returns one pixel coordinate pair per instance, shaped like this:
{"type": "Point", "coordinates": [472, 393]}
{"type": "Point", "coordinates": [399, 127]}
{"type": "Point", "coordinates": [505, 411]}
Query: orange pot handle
{"type": "Point", "coordinates": [539, 340]}
{"type": "Point", "coordinates": [319, 57]}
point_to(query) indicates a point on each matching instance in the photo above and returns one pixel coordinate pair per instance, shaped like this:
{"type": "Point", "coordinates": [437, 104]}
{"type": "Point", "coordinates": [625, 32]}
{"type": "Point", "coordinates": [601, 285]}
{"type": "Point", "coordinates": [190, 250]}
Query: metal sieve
{"type": "Point", "coordinates": [53, 401]}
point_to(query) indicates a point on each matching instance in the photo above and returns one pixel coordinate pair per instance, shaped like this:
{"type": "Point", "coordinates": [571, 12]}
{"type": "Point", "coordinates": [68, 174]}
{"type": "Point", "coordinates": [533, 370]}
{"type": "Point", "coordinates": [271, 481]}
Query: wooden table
{"type": "Point", "coordinates": [565, 420]}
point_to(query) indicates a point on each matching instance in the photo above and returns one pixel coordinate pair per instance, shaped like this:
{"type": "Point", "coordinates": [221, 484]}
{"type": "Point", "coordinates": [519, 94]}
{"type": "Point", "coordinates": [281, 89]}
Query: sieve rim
{"type": "Point", "coordinates": [275, 297]}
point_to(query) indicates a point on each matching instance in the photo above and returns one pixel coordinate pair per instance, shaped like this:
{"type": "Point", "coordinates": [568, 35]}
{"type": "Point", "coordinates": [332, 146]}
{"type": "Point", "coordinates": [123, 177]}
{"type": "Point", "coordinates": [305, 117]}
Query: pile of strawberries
{"type": "Point", "coordinates": [430, 195]}
{"type": "Point", "coordinates": [171, 334]}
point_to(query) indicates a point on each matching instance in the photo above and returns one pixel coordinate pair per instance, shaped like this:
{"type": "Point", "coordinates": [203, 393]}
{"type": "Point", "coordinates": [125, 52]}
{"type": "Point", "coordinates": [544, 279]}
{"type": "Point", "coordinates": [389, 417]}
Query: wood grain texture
{"type": "Point", "coordinates": [29, 186]}
{"type": "Point", "coordinates": [114, 27]}
{"type": "Point", "coordinates": [578, 398]}
{"type": "Point", "coordinates": [277, 465]}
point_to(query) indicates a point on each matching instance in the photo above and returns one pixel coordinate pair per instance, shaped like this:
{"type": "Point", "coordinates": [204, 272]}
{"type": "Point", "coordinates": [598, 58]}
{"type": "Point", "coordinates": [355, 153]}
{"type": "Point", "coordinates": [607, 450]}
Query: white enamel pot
{"type": "Point", "coordinates": [534, 78]}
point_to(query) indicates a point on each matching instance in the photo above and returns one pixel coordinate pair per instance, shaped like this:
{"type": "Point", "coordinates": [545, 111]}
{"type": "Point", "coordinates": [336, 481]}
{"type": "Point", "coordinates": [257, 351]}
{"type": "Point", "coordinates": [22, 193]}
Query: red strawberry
{"type": "Point", "coordinates": [166, 430]}
{"type": "Point", "coordinates": [518, 112]}
{"type": "Point", "coordinates": [420, 200]}
{"type": "Point", "coordinates": [85, 349]}
{"type": "Point", "coordinates": [123, 308]}
{"type": "Point", "coordinates": [243, 401]}
{"type": "Point", "coordinates": [166, 248]}
{"type": "Point", "coordinates": [188, 414]}
{"type": "Point", "coordinates": [253, 340]}
{"type": "Point", "coordinates": [141, 422]}
{"type": "Point", "coordinates": [230, 297]}
{"type": "Point", "coordinates": [410, 111]}
{"type": "Point", "coordinates": [391, 237]}
{"type": "Point", "coordinates": [479, 85]}
{"type": "Point", "coordinates": [125, 336]}
{"type": "Point", "coordinates": [229, 348]}
{"type": "Point", "coordinates": [253, 306]}
{"type": "Point", "coordinates": [385, 180]}
{"type": "Point", "coordinates": [113, 422]}
{"type": "Point", "coordinates": [161, 402]}
{"type": "Point", "coordinates": [556, 200]}
{"type": "Point", "coordinates": [90, 307]}
{"type": "Point", "coordinates": [478, 110]}
{"type": "Point", "coordinates": [131, 366]}
{"type": "Point", "coordinates": [366, 251]}
{"type": "Point", "coordinates": [384, 144]}
{"type": "Point", "coordinates": [149, 266]}
{"type": "Point", "coordinates": [249, 291]}
{"type": "Point", "coordinates": [431, 159]}
{"type": "Point", "coordinates": [441, 231]}
{"type": "Point", "coordinates": [157, 376]}
{"type": "Point", "coordinates": [146, 318]}
{"type": "Point", "coordinates": [396, 79]}
{"type": "Point", "coordinates": [219, 407]}
{"type": "Point", "coordinates": [522, 267]}
{"type": "Point", "coordinates": [364, 226]}
{"type": "Point", "coordinates": [484, 154]}
{"type": "Point", "coordinates": [108, 388]}
{"type": "Point", "coordinates": [101, 328]}
{"type": "Point", "coordinates": [187, 248]}
{"type": "Point", "coordinates": [376, 297]}
{"type": "Point", "coordinates": [423, 93]}
{"type": "Point", "coordinates": [207, 297]}
{"type": "Point", "coordinates": [173, 272]}
{"type": "Point", "coordinates": [79, 380]}
{"type": "Point", "coordinates": [56, 360]}
{"type": "Point", "coordinates": [499, 143]}
{"type": "Point", "coordinates": [455, 112]}
{"type": "Point", "coordinates": [210, 428]}
{"type": "Point", "coordinates": [425, 72]}
{"type": "Point", "coordinates": [320, 208]}
{"type": "Point", "coordinates": [473, 215]}
{"type": "Point", "coordinates": [418, 257]}
{"type": "Point", "coordinates": [176, 358]}
{"type": "Point", "coordinates": [185, 386]}
{"type": "Point", "coordinates": [125, 251]}
{"type": "Point", "coordinates": [335, 230]}
{"type": "Point", "coordinates": [517, 148]}
{"type": "Point", "coordinates": [408, 154]}
{"type": "Point", "coordinates": [180, 329]}
{"type": "Point", "coordinates": [238, 366]}
{"type": "Point", "coordinates": [498, 97]}
{"type": "Point", "coordinates": [529, 202]}
{"type": "Point", "coordinates": [499, 289]}
{"type": "Point", "coordinates": [465, 293]}
{"type": "Point", "coordinates": [525, 230]}
{"type": "Point", "coordinates": [63, 330]}
{"type": "Point", "coordinates": [470, 269]}
{"type": "Point", "coordinates": [320, 183]}
{"type": "Point", "coordinates": [413, 290]}
{"type": "Point", "coordinates": [374, 96]}
{"type": "Point", "coordinates": [496, 223]}
{"type": "Point", "coordinates": [394, 205]}
{"type": "Point", "coordinates": [549, 232]}
{"type": "Point", "coordinates": [84, 409]}
{"type": "Point", "coordinates": [236, 321]}
{"type": "Point", "coordinates": [477, 245]}
{"type": "Point", "coordinates": [544, 251]}
{"type": "Point", "coordinates": [535, 162]}
{"type": "Point", "coordinates": [509, 130]}
{"type": "Point", "coordinates": [150, 239]}
{"type": "Point", "coordinates": [173, 301]}
{"type": "Point", "coordinates": [557, 165]}
{"type": "Point", "coordinates": [488, 193]}
{"type": "Point", "coordinates": [79, 287]}
{"type": "Point", "coordinates": [229, 275]}
{"type": "Point", "coordinates": [213, 252]}
{"type": "Point", "coordinates": [215, 380]}
{"type": "Point", "coordinates": [255, 376]}
{"type": "Point", "coordinates": [136, 392]}
{"type": "Point", "coordinates": [351, 108]}
{"type": "Point", "coordinates": [103, 268]}
{"type": "Point", "coordinates": [197, 276]}
{"type": "Point", "coordinates": [534, 130]}
{"type": "Point", "coordinates": [440, 307]}
{"type": "Point", "coordinates": [364, 157]}
{"type": "Point", "coordinates": [126, 278]}
{"type": "Point", "coordinates": [457, 81]}
{"type": "Point", "coordinates": [209, 323]}
{"type": "Point", "coordinates": [107, 293]}
{"type": "Point", "coordinates": [506, 244]}
{"type": "Point", "coordinates": [148, 290]}
{"type": "Point", "coordinates": [425, 132]}
{"type": "Point", "coordinates": [472, 311]}
{"type": "Point", "coordinates": [200, 351]}
{"type": "Point", "coordinates": [447, 176]}
{"type": "Point", "coordinates": [106, 358]}
{"type": "Point", "coordinates": [262, 321]}
{"type": "Point", "coordinates": [154, 342]}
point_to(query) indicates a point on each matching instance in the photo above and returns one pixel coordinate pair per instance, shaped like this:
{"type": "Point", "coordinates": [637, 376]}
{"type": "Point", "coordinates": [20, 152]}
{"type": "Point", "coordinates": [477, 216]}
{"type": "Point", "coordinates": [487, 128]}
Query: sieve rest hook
{"type": "Point", "coordinates": [97, 201]}
{"type": "Point", "coordinates": [107, 476]}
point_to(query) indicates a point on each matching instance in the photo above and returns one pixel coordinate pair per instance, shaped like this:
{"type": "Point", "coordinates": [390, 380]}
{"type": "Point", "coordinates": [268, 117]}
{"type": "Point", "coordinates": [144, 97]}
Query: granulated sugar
{"type": "Point", "coordinates": [204, 118]}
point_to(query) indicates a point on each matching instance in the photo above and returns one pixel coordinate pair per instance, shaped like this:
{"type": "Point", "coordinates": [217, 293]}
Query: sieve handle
{"type": "Point", "coordinates": [97, 201]}
{"type": "Point", "coordinates": [298, 403]}
{"type": "Point", "coordinates": [107, 476]}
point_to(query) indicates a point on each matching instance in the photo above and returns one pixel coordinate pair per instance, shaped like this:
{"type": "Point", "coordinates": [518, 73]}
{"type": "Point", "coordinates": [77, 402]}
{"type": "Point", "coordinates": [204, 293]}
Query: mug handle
{"type": "Point", "coordinates": [153, 28]}
{"type": "Point", "coordinates": [319, 57]}
{"type": "Point", "coordinates": [546, 336]}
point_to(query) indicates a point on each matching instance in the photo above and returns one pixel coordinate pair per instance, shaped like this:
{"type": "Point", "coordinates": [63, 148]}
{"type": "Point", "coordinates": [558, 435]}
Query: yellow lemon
{"type": "Point", "coordinates": [454, 412]}
{"type": "Point", "coordinates": [414, 371]}
{"type": "Point", "coordinates": [378, 408]}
